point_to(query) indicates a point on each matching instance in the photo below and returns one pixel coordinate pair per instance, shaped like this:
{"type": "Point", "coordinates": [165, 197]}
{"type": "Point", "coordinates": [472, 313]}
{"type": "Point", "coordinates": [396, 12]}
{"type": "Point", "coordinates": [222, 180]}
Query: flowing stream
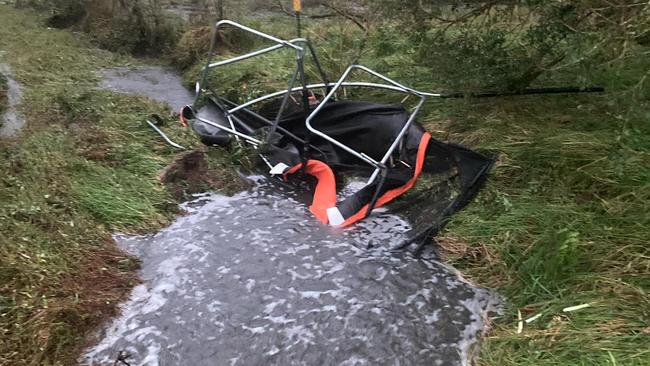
{"type": "Point", "coordinates": [254, 279]}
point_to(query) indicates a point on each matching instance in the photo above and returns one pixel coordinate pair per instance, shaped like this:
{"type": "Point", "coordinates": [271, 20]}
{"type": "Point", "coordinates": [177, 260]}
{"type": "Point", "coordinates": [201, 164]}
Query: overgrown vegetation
{"type": "Point", "coordinates": [84, 167]}
{"type": "Point", "coordinates": [135, 27]}
{"type": "Point", "coordinates": [563, 220]}
{"type": "Point", "coordinates": [512, 44]}
{"type": "Point", "coordinates": [138, 27]}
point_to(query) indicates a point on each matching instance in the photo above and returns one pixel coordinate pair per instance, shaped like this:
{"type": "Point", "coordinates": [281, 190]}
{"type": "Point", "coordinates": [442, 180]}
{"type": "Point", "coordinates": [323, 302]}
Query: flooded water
{"type": "Point", "coordinates": [11, 121]}
{"type": "Point", "coordinates": [157, 83]}
{"type": "Point", "coordinates": [154, 82]}
{"type": "Point", "coordinates": [254, 280]}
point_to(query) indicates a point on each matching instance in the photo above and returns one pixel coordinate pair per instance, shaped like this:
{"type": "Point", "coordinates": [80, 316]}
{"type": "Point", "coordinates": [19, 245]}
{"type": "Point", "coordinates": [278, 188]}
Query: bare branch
{"type": "Point", "coordinates": [357, 19]}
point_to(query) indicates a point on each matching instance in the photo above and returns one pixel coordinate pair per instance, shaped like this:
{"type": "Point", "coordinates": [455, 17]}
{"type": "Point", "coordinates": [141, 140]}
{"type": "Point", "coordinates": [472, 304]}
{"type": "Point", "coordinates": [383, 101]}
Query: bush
{"type": "Point", "coordinates": [67, 13]}
{"type": "Point", "coordinates": [471, 59]}
{"type": "Point", "coordinates": [194, 44]}
{"type": "Point", "coordinates": [135, 27]}
{"type": "Point", "coordinates": [510, 45]}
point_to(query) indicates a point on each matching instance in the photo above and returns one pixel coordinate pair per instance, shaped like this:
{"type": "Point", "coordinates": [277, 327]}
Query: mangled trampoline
{"type": "Point", "coordinates": [308, 132]}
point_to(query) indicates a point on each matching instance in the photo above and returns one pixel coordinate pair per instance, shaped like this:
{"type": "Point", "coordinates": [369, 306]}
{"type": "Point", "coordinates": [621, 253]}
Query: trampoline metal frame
{"type": "Point", "coordinates": [300, 46]}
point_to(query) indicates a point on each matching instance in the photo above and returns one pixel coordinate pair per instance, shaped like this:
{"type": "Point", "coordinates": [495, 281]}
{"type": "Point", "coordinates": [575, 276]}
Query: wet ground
{"type": "Point", "coordinates": [254, 279]}
{"type": "Point", "coordinates": [11, 121]}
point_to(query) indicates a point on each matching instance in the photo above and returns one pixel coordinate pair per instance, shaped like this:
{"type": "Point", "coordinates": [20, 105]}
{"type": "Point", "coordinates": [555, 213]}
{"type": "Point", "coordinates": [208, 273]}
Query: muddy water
{"type": "Point", "coordinates": [11, 122]}
{"type": "Point", "coordinates": [154, 82]}
{"type": "Point", "coordinates": [254, 279]}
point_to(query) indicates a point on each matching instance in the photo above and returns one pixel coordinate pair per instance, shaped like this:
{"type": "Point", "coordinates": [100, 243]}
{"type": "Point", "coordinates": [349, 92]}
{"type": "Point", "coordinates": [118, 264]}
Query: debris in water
{"type": "Point", "coordinates": [307, 130]}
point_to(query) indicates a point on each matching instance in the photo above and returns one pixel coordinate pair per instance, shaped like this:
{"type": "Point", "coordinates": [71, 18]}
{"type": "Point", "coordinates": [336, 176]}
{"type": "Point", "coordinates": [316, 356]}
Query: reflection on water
{"type": "Point", "coordinates": [254, 280]}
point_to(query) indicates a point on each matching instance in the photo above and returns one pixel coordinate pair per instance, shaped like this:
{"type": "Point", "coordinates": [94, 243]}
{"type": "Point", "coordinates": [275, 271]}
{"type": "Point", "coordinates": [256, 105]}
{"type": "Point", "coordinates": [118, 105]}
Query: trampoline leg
{"type": "Point", "coordinates": [375, 197]}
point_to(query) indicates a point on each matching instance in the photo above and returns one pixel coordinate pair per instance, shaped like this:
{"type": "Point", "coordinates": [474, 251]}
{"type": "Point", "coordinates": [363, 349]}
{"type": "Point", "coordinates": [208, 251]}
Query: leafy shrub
{"type": "Point", "coordinates": [194, 44]}
{"type": "Point", "coordinates": [510, 45]}
{"type": "Point", "coordinates": [470, 60]}
{"type": "Point", "coordinates": [66, 13]}
{"type": "Point", "coordinates": [136, 27]}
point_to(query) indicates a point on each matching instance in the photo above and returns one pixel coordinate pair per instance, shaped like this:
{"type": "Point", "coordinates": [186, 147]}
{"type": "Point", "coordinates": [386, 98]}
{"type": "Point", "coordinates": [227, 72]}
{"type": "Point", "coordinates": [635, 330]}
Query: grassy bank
{"type": "Point", "coordinates": [84, 167]}
{"type": "Point", "coordinates": [564, 220]}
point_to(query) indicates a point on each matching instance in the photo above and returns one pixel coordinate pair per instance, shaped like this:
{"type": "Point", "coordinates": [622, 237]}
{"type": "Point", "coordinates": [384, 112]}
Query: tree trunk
{"type": "Point", "coordinates": [218, 7]}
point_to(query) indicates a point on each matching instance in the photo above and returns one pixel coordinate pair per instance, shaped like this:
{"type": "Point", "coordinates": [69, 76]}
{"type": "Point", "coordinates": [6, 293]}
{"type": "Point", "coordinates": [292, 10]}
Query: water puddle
{"type": "Point", "coordinates": [11, 121]}
{"type": "Point", "coordinates": [253, 279]}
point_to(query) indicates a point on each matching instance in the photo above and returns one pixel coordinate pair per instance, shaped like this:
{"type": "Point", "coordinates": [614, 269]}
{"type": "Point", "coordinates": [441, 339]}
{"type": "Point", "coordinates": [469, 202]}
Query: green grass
{"type": "Point", "coordinates": [84, 167]}
{"type": "Point", "coordinates": [564, 220]}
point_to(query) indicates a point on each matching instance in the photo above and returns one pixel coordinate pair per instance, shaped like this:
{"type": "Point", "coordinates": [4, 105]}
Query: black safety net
{"type": "Point", "coordinates": [425, 181]}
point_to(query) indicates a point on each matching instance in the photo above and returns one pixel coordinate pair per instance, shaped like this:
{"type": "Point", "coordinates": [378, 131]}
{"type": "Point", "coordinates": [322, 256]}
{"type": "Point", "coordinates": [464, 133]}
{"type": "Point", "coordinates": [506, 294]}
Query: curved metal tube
{"type": "Point", "coordinates": [378, 165]}
{"type": "Point", "coordinates": [246, 56]}
{"type": "Point", "coordinates": [234, 132]}
{"type": "Point", "coordinates": [258, 33]}
{"type": "Point", "coordinates": [164, 136]}
{"type": "Point", "coordinates": [329, 85]}
{"type": "Point", "coordinates": [280, 43]}
{"type": "Point", "coordinates": [256, 53]}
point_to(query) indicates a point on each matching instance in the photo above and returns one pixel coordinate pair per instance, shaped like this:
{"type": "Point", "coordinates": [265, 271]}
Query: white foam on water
{"type": "Point", "coordinates": [253, 279]}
